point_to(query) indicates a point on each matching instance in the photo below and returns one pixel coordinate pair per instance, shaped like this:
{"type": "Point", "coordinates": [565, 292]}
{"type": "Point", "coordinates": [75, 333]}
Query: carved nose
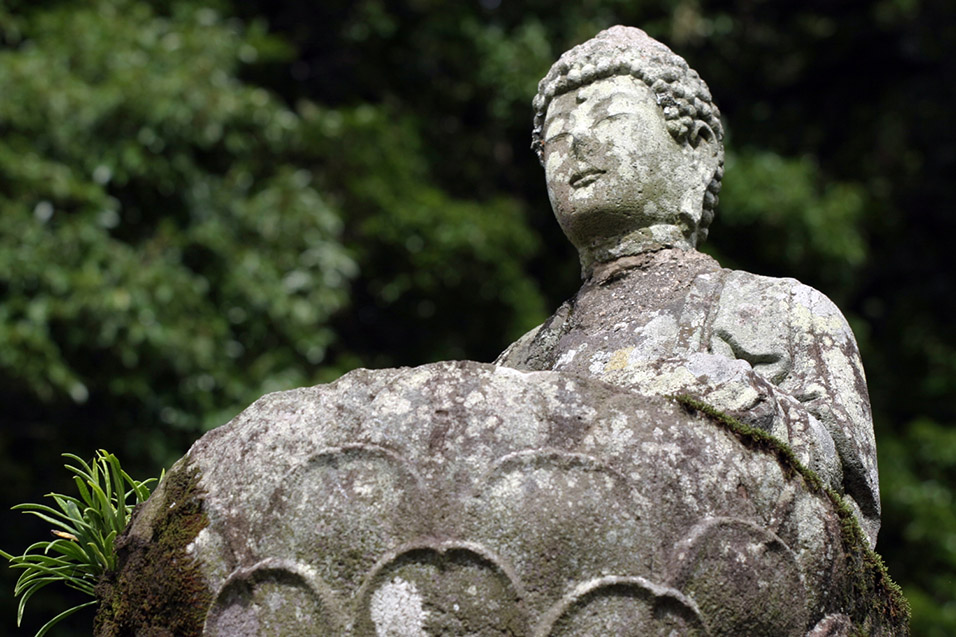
{"type": "Point", "coordinates": [581, 145]}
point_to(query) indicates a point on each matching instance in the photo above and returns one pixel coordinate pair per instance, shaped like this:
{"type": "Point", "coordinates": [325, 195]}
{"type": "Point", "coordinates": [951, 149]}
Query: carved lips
{"type": "Point", "coordinates": [585, 177]}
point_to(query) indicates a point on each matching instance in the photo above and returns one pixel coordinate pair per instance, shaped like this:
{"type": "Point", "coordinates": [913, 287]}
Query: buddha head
{"type": "Point", "coordinates": [631, 144]}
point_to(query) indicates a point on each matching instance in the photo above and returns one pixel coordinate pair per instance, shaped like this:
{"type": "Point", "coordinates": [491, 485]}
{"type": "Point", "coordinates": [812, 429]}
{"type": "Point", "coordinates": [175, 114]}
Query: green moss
{"type": "Point", "coordinates": [158, 589]}
{"type": "Point", "coordinates": [873, 601]}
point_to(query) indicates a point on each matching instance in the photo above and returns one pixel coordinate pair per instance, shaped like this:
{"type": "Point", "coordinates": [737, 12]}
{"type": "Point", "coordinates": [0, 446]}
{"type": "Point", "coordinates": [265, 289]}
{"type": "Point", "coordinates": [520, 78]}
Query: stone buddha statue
{"type": "Point", "coordinates": [631, 145]}
{"type": "Point", "coordinates": [562, 492]}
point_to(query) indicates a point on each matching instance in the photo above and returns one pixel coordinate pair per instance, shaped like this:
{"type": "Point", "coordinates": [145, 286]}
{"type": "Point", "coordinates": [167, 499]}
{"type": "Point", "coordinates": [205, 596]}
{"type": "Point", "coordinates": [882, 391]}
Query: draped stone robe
{"type": "Point", "coordinates": [775, 353]}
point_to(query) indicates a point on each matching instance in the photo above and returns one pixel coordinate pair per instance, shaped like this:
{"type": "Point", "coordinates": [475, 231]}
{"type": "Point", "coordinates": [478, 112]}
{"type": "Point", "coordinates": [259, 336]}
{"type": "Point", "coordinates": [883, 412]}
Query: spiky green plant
{"type": "Point", "coordinates": [85, 529]}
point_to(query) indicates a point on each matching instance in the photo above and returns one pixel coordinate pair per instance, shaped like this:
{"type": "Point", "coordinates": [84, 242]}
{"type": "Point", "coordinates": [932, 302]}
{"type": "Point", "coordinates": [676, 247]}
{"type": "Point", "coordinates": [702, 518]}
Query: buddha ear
{"type": "Point", "coordinates": [705, 151]}
{"type": "Point", "coordinates": [700, 132]}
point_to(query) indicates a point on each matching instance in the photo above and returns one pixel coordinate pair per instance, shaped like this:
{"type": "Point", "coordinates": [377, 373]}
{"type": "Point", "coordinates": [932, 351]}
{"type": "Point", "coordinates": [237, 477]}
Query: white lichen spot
{"type": "Point", "coordinates": [397, 610]}
{"type": "Point", "coordinates": [669, 450]}
{"type": "Point", "coordinates": [598, 361]}
{"type": "Point", "coordinates": [365, 488]}
{"type": "Point", "coordinates": [508, 488]}
{"type": "Point", "coordinates": [474, 398]}
{"type": "Point", "coordinates": [619, 433]}
{"type": "Point", "coordinates": [565, 358]}
{"type": "Point", "coordinates": [491, 423]}
{"type": "Point", "coordinates": [394, 404]}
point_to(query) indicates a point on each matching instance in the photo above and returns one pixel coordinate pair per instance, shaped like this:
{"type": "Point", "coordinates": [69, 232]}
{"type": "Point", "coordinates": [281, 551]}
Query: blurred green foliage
{"type": "Point", "coordinates": [791, 216]}
{"type": "Point", "coordinates": [205, 200]}
{"type": "Point", "coordinates": [920, 467]}
{"type": "Point", "coordinates": [159, 246]}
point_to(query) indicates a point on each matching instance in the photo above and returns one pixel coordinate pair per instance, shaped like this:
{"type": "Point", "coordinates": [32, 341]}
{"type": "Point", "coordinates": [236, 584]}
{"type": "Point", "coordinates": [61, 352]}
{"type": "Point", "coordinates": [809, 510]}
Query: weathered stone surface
{"type": "Point", "coordinates": [631, 145]}
{"type": "Point", "coordinates": [630, 141]}
{"type": "Point", "coordinates": [774, 353]}
{"type": "Point", "coordinates": [565, 490]}
{"type": "Point", "coordinates": [466, 499]}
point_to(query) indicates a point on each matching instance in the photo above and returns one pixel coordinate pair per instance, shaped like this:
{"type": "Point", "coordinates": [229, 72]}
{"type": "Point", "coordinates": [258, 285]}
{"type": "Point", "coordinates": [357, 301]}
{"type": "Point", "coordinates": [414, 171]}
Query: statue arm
{"type": "Point", "coordinates": [827, 378]}
{"type": "Point", "coordinates": [795, 337]}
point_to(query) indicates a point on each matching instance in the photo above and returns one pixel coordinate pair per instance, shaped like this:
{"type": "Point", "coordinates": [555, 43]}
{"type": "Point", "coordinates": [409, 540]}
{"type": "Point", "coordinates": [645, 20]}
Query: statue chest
{"type": "Point", "coordinates": [637, 318]}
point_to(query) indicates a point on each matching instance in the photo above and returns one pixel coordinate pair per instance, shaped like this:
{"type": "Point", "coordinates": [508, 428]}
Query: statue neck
{"type": "Point", "coordinates": [645, 240]}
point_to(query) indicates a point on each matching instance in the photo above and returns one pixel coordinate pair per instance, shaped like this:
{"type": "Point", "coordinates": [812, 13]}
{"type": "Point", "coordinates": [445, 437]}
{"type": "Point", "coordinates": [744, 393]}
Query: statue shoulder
{"type": "Point", "coordinates": [773, 322]}
{"type": "Point", "coordinates": [784, 302]}
{"type": "Point", "coordinates": [534, 350]}
{"type": "Point", "coordinates": [518, 353]}
{"type": "Point", "coordinates": [814, 312]}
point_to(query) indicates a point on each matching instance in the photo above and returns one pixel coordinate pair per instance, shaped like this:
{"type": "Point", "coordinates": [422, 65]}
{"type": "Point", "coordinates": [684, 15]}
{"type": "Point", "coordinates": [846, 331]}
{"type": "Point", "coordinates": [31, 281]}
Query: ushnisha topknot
{"type": "Point", "coordinates": [683, 96]}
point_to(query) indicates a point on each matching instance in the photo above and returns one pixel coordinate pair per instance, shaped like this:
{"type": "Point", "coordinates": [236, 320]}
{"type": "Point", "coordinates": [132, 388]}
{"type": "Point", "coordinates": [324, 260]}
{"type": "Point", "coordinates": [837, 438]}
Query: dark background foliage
{"type": "Point", "coordinates": [202, 201]}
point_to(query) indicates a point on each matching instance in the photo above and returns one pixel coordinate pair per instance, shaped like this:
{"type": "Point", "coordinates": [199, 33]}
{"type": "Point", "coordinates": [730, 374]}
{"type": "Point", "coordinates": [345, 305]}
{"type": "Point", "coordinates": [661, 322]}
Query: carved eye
{"type": "Point", "coordinates": [556, 138]}
{"type": "Point", "coordinates": [614, 116]}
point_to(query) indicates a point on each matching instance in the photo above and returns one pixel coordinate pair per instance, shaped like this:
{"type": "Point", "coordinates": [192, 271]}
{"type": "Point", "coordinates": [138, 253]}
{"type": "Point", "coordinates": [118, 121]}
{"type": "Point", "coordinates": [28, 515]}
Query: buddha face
{"type": "Point", "coordinates": [611, 165]}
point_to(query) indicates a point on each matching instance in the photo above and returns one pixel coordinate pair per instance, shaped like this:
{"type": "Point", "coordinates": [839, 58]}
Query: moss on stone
{"type": "Point", "coordinates": [158, 589]}
{"type": "Point", "coordinates": [873, 601]}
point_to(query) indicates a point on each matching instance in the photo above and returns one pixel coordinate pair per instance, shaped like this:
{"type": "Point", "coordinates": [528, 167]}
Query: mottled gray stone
{"type": "Point", "coordinates": [467, 499]}
{"type": "Point", "coordinates": [774, 353]}
{"type": "Point", "coordinates": [564, 490]}
{"type": "Point", "coordinates": [631, 145]}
